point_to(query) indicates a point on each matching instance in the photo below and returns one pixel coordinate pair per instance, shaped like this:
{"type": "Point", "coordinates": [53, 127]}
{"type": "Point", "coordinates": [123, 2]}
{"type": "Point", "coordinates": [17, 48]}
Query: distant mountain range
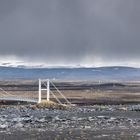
{"type": "Point", "coordinates": [71, 73]}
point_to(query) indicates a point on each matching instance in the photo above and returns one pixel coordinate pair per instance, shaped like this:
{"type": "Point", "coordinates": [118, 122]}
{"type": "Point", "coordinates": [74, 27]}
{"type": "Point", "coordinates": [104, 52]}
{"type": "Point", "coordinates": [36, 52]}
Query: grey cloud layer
{"type": "Point", "coordinates": [70, 30]}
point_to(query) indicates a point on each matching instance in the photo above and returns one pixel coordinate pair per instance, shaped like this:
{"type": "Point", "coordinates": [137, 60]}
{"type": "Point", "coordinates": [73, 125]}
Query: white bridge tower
{"type": "Point", "coordinates": [46, 87]}
{"type": "Point", "coordinates": [44, 81]}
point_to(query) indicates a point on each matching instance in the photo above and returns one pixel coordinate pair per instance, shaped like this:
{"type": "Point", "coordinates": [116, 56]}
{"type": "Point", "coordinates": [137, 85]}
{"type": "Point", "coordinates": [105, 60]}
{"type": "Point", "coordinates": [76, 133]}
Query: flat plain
{"type": "Point", "coordinates": [104, 110]}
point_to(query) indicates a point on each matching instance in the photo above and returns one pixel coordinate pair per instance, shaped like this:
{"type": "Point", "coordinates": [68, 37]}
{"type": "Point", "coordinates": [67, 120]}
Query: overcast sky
{"type": "Point", "coordinates": [70, 32]}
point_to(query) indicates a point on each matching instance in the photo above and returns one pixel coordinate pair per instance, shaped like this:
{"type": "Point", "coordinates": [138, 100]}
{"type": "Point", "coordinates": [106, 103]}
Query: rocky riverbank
{"type": "Point", "coordinates": [98, 122]}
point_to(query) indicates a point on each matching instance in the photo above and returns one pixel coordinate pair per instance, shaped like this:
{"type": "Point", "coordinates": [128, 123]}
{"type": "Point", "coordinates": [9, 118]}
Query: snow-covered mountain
{"type": "Point", "coordinates": [71, 73]}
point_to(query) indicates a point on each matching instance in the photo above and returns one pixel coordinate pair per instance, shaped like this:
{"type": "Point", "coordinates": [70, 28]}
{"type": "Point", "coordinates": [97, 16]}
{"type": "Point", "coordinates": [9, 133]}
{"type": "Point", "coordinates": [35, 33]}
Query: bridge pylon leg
{"type": "Point", "coordinates": [39, 91]}
{"type": "Point", "coordinates": [48, 90]}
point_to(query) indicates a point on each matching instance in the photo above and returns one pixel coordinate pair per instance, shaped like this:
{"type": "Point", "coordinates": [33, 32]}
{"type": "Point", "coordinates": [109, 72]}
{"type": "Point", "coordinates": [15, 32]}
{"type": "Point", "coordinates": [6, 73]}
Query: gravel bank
{"type": "Point", "coordinates": [92, 122]}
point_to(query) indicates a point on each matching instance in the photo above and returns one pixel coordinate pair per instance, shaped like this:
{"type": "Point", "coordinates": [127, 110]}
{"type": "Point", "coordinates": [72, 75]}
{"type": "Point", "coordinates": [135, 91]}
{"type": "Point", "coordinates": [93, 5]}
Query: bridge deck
{"type": "Point", "coordinates": [18, 99]}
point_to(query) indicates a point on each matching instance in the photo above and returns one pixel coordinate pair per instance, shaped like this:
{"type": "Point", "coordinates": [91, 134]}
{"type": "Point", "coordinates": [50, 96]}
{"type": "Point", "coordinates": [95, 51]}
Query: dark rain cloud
{"type": "Point", "coordinates": [70, 31]}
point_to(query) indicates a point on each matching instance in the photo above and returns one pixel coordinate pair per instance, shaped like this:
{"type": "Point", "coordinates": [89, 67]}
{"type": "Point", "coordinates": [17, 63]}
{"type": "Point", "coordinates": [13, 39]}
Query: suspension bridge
{"type": "Point", "coordinates": [43, 85]}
